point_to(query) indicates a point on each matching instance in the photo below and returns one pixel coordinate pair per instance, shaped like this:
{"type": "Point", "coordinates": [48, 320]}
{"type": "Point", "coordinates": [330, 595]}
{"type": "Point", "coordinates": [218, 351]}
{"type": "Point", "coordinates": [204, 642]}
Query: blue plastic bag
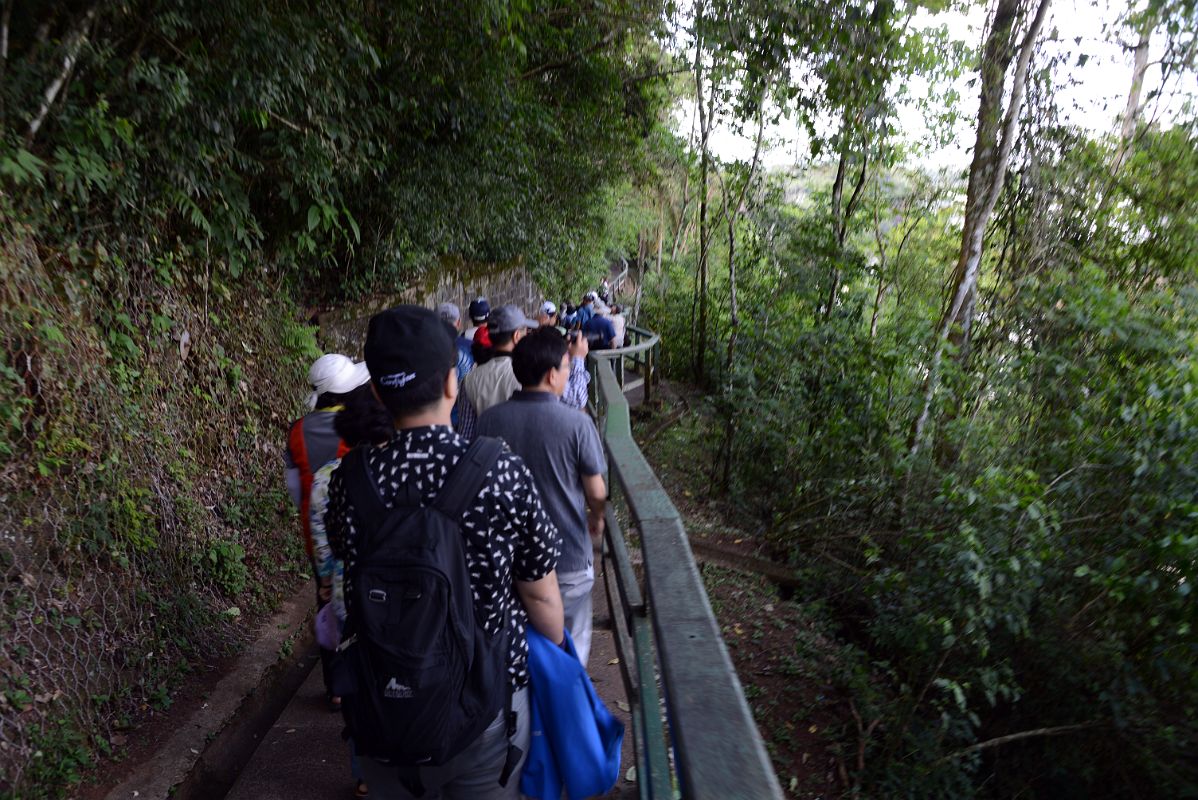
{"type": "Point", "coordinates": [575, 740]}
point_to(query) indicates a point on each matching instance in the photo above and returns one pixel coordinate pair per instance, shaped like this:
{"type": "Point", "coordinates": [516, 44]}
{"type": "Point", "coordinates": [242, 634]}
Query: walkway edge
{"type": "Point", "coordinates": [205, 754]}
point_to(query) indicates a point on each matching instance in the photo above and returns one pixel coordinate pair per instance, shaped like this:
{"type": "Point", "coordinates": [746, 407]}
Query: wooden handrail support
{"type": "Point", "coordinates": [718, 751]}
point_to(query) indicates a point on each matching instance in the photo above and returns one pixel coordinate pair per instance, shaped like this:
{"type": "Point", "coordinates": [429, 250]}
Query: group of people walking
{"type": "Point", "coordinates": [452, 495]}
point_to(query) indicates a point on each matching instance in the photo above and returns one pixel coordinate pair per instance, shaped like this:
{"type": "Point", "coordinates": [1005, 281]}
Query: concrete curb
{"type": "Point", "coordinates": [205, 754]}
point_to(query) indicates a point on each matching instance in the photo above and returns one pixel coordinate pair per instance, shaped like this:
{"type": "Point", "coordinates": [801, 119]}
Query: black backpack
{"type": "Point", "coordinates": [419, 676]}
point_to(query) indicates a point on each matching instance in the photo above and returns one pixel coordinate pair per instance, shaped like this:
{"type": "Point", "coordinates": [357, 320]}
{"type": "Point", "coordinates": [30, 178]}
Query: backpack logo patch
{"type": "Point", "coordinates": [397, 691]}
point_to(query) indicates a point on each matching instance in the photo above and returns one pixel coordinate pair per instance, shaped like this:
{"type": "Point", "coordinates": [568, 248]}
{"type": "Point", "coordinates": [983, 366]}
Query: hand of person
{"type": "Point", "coordinates": [595, 526]}
{"type": "Point", "coordinates": [579, 346]}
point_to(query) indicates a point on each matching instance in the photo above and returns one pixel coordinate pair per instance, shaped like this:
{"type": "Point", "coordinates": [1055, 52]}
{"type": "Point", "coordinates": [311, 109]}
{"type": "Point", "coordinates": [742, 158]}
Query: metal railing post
{"type": "Point", "coordinates": [647, 369]}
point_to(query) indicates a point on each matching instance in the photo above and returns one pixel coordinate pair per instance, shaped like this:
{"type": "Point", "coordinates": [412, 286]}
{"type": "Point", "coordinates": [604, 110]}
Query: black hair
{"type": "Point", "coordinates": [364, 420]}
{"type": "Point", "coordinates": [480, 353]}
{"type": "Point", "coordinates": [418, 397]}
{"type": "Point", "coordinates": [501, 339]}
{"type": "Point", "coordinates": [329, 399]}
{"type": "Point", "coordinates": [536, 354]}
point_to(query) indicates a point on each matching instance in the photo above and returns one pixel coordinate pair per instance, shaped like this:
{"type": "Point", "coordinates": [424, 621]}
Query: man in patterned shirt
{"type": "Point", "coordinates": [511, 545]}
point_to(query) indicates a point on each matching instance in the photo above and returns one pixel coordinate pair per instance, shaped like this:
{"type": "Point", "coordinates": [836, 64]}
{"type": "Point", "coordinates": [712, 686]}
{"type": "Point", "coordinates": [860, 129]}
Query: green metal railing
{"type": "Point", "coordinates": [632, 364]}
{"type": "Point", "coordinates": [669, 627]}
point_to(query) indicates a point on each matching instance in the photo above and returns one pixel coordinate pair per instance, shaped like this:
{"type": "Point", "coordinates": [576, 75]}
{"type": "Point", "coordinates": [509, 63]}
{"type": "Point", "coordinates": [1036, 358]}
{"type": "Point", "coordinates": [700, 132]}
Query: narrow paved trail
{"type": "Point", "coordinates": [303, 756]}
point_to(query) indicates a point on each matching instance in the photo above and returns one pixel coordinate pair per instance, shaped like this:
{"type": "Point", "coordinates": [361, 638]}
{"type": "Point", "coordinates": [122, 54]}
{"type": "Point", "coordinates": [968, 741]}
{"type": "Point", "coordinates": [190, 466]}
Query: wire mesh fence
{"type": "Point", "coordinates": [143, 411]}
{"type": "Point", "coordinates": [142, 521]}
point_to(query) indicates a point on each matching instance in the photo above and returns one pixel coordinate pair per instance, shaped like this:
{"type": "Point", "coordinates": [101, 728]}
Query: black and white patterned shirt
{"type": "Point", "coordinates": [506, 527]}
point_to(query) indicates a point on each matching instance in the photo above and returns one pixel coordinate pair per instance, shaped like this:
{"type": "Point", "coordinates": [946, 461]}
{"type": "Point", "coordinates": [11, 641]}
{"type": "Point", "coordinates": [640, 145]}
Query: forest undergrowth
{"type": "Point", "coordinates": [143, 416]}
{"type": "Point", "coordinates": [798, 677]}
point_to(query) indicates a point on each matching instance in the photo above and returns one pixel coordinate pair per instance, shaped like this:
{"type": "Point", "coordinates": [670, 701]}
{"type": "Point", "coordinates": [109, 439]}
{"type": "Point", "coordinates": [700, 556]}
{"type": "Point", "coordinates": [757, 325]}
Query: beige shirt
{"type": "Point", "coordinates": [491, 384]}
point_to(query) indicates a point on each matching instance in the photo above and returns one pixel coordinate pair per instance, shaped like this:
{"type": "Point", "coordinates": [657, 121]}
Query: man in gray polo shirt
{"type": "Point", "coordinates": [562, 449]}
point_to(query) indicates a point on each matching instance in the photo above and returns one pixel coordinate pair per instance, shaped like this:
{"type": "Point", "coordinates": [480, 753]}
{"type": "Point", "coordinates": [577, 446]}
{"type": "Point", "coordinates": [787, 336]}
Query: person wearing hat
{"type": "Point", "coordinates": [599, 328]}
{"type": "Point", "coordinates": [509, 542]}
{"type": "Point", "coordinates": [312, 442]}
{"type": "Point", "coordinates": [450, 314]}
{"type": "Point", "coordinates": [586, 309]}
{"type": "Point", "coordinates": [494, 382]}
{"type": "Point", "coordinates": [479, 310]}
{"type": "Point", "coordinates": [547, 314]}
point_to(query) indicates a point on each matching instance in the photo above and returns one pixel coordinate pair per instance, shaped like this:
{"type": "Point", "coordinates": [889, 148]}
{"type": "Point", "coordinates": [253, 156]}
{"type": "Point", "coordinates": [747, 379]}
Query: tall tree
{"type": "Point", "coordinates": [996, 132]}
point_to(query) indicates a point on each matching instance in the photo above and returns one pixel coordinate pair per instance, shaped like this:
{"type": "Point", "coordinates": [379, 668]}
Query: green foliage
{"type": "Point", "coordinates": [198, 167]}
{"type": "Point", "coordinates": [345, 146]}
{"type": "Point", "coordinates": [1030, 574]}
{"type": "Point", "coordinates": [225, 563]}
{"type": "Point", "coordinates": [133, 477]}
{"type": "Point", "coordinates": [62, 754]}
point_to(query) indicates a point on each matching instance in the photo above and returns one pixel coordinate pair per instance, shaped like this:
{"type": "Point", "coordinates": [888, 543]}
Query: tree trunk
{"type": "Point", "coordinates": [1131, 112]}
{"type": "Point", "coordinates": [5, 21]}
{"type": "Point", "coordinates": [842, 214]}
{"type": "Point", "coordinates": [704, 110]}
{"type": "Point", "coordinates": [842, 168]}
{"type": "Point", "coordinates": [73, 43]}
{"type": "Point", "coordinates": [661, 231]}
{"type": "Point", "coordinates": [730, 215]}
{"type": "Point", "coordinates": [991, 152]}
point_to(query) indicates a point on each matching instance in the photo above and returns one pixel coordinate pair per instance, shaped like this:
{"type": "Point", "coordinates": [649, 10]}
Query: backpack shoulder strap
{"type": "Point", "coordinates": [363, 492]}
{"type": "Point", "coordinates": [464, 483]}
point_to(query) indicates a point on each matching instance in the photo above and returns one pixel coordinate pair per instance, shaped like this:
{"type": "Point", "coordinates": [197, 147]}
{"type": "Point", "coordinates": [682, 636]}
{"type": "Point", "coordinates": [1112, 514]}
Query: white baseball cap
{"type": "Point", "coordinates": [548, 308]}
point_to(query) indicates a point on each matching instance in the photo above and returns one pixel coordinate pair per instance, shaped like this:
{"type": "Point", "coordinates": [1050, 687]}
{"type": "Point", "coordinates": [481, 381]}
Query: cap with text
{"type": "Point", "coordinates": [407, 346]}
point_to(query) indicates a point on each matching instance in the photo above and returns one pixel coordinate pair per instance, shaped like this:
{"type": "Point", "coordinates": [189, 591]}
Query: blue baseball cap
{"type": "Point", "coordinates": [479, 310]}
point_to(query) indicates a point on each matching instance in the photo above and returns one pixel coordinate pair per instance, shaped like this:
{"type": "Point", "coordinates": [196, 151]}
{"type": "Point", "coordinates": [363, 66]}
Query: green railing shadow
{"type": "Point", "coordinates": [718, 753]}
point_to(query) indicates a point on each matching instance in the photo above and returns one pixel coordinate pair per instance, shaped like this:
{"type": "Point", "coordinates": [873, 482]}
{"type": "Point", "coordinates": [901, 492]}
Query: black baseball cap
{"type": "Point", "coordinates": [406, 347]}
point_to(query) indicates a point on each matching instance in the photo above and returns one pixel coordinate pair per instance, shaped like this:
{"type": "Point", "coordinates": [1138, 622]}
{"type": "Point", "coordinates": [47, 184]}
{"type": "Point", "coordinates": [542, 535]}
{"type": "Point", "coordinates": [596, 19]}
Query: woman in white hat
{"type": "Point", "coordinates": [312, 442]}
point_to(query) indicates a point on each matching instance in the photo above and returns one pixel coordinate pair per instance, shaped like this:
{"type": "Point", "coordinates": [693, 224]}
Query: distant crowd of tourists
{"type": "Point", "coordinates": [452, 496]}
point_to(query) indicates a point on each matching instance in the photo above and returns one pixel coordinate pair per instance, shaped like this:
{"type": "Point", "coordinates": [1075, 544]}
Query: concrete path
{"type": "Point", "coordinates": [303, 756]}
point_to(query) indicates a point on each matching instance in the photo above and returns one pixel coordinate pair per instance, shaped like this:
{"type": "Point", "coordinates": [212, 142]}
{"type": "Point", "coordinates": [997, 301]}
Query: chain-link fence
{"type": "Point", "coordinates": [142, 522]}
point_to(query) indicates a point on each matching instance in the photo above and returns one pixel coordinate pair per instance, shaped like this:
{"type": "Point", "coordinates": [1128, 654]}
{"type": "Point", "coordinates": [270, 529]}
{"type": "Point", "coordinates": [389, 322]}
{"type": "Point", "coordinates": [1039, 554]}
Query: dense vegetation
{"type": "Point", "coordinates": [964, 405]}
{"type": "Point", "coordinates": [176, 178]}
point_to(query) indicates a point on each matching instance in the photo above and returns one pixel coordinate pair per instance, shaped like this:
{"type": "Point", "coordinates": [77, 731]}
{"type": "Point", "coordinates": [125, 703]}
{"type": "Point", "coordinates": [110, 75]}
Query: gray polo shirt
{"type": "Point", "coordinates": [560, 445]}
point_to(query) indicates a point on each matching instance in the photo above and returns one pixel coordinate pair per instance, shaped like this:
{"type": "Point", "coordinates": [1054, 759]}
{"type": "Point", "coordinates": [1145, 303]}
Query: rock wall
{"type": "Point", "coordinates": [344, 329]}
